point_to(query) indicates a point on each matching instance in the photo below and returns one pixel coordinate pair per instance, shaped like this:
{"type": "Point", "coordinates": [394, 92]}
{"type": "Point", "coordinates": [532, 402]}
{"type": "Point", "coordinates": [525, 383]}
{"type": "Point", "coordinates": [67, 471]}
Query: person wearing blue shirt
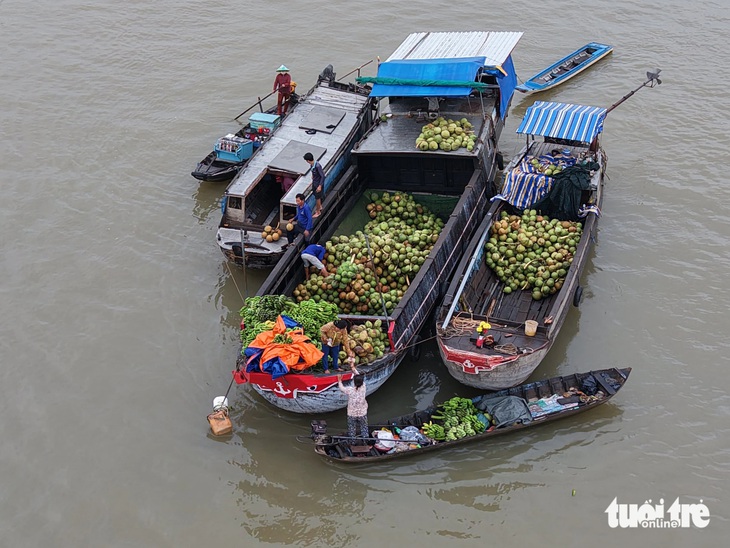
{"type": "Point", "coordinates": [313, 255]}
{"type": "Point", "coordinates": [302, 222]}
{"type": "Point", "coordinates": [317, 182]}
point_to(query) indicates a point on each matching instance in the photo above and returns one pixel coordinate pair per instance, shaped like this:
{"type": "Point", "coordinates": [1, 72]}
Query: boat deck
{"type": "Point", "coordinates": [398, 135]}
{"type": "Point", "coordinates": [293, 129]}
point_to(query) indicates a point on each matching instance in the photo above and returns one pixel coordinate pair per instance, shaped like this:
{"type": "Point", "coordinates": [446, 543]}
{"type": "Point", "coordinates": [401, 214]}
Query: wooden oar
{"type": "Point", "coordinates": [252, 106]}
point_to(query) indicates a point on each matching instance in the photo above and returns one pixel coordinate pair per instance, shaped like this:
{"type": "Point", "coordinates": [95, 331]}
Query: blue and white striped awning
{"type": "Point", "coordinates": [563, 121]}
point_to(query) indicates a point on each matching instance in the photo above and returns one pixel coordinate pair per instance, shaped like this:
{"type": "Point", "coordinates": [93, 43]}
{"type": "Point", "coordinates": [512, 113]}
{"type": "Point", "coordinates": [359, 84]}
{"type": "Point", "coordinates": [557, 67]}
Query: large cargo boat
{"type": "Point", "coordinates": [327, 121]}
{"type": "Point", "coordinates": [432, 76]}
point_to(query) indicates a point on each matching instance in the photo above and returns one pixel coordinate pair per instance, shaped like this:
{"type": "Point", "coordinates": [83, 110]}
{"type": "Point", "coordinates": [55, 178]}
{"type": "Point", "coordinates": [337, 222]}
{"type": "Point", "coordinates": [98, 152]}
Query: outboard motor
{"type": "Point", "coordinates": [319, 433]}
{"type": "Point", "coordinates": [237, 253]}
{"type": "Point", "coordinates": [327, 74]}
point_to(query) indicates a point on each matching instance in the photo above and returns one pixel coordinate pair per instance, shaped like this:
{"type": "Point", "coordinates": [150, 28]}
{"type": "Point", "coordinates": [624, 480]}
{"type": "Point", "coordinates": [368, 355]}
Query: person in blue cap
{"type": "Point", "coordinates": [282, 84]}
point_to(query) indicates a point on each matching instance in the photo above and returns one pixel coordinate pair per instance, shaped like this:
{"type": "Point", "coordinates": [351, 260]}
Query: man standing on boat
{"type": "Point", "coordinates": [334, 338]}
{"type": "Point", "coordinates": [302, 223]}
{"type": "Point", "coordinates": [282, 84]}
{"type": "Point", "coordinates": [317, 182]}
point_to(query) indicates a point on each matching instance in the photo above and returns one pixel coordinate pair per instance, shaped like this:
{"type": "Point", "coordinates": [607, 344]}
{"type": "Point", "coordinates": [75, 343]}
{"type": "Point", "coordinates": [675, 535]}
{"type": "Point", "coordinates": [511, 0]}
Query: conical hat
{"type": "Point", "coordinates": [282, 68]}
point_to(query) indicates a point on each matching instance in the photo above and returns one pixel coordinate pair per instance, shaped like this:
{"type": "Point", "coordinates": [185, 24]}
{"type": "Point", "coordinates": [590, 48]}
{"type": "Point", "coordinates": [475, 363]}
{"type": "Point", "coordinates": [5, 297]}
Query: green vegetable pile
{"type": "Point", "coordinates": [459, 419]}
{"type": "Point", "coordinates": [260, 313]}
{"type": "Point", "coordinates": [282, 339]}
{"type": "Point", "coordinates": [532, 252]}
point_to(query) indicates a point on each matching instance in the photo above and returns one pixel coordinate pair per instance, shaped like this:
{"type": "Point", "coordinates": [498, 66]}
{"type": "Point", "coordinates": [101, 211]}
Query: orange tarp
{"type": "Point", "coordinates": [298, 355]}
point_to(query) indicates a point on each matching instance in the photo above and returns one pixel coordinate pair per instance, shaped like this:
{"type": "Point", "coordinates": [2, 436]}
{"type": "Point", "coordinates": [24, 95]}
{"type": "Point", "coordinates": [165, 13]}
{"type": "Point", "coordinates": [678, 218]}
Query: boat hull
{"type": "Point", "coordinates": [210, 170]}
{"type": "Point", "coordinates": [343, 449]}
{"type": "Point", "coordinates": [566, 68]}
{"type": "Point", "coordinates": [239, 234]}
{"type": "Point", "coordinates": [322, 395]}
{"type": "Point", "coordinates": [477, 295]}
{"type": "Point", "coordinates": [475, 370]}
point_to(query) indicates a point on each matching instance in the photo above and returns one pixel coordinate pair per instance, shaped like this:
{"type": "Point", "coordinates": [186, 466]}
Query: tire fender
{"type": "Point", "coordinates": [577, 296]}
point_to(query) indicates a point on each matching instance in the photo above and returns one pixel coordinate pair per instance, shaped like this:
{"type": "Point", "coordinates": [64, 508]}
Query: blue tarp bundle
{"type": "Point", "coordinates": [563, 121]}
{"type": "Point", "coordinates": [427, 77]}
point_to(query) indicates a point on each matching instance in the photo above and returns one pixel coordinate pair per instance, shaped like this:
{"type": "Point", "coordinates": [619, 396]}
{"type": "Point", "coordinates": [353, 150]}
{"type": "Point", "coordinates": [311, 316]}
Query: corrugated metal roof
{"type": "Point", "coordinates": [495, 46]}
{"type": "Point", "coordinates": [563, 121]}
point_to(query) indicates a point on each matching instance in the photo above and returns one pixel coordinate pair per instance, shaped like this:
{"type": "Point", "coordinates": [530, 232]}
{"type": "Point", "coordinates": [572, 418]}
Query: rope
{"type": "Point", "coordinates": [508, 348]}
{"type": "Point", "coordinates": [448, 260]}
{"type": "Point", "coordinates": [458, 327]}
{"type": "Point", "coordinates": [228, 266]}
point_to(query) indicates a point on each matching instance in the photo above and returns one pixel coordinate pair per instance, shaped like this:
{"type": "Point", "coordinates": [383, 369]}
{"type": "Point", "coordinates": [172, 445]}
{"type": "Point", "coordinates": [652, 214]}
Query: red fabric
{"type": "Point", "coordinates": [282, 83]}
{"type": "Point", "coordinates": [239, 377]}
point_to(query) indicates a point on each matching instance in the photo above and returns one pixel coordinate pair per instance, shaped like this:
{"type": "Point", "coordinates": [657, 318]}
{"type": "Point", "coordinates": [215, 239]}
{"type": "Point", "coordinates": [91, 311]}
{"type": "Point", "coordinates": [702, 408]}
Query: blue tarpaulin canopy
{"type": "Point", "coordinates": [563, 121]}
{"type": "Point", "coordinates": [427, 77]}
{"type": "Point", "coordinates": [441, 78]}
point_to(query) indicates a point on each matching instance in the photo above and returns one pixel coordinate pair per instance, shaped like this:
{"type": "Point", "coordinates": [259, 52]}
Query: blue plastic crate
{"type": "Point", "coordinates": [232, 148]}
{"type": "Point", "coordinates": [263, 120]}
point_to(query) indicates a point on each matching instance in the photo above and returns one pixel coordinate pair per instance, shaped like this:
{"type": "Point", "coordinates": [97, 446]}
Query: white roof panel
{"type": "Point", "coordinates": [495, 46]}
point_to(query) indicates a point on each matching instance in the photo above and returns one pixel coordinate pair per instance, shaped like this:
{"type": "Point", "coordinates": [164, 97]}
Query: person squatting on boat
{"type": "Point", "coordinates": [312, 255]}
{"type": "Point", "coordinates": [333, 336]}
{"type": "Point", "coordinates": [302, 223]}
{"type": "Point", "coordinates": [357, 405]}
{"type": "Point", "coordinates": [317, 182]}
{"type": "Point", "coordinates": [282, 84]}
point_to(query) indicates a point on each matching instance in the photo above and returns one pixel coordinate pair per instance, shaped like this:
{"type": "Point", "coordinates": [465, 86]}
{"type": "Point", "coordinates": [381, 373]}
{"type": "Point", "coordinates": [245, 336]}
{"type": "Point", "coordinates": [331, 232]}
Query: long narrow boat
{"type": "Point", "coordinates": [327, 121]}
{"type": "Point", "coordinates": [479, 294]}
{"type": "Point", "coordinates": [459, 182]}
{"type": "Point", "coordinates": [522, 270]}
{"type": "Point", "coordinates": [231, 152]}
{"type": "Point", "coordinates": [512, 410]}
{"type": "Point", "coordinates": [566, 68]}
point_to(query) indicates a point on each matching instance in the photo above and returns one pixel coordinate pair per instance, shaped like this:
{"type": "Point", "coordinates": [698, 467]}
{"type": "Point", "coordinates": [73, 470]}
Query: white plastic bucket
{"type": "Point", "coordinates": [220, 402]}
{"type": "Point", "coordinates": [530, 328]}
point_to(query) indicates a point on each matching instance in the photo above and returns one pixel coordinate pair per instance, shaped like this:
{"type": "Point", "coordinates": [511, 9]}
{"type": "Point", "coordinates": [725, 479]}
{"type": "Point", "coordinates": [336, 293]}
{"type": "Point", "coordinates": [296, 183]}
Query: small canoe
{"type": "Point", "coordinates": [509, 410]}
{"type": "Point", "coordinates": [212, 170]}
{"type": "Point", "coordinates": [563, 70]}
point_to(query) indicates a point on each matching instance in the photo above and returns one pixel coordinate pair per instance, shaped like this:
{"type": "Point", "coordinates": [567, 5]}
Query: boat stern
{"type": "Point", "coordinates": [490, 371]}
{"type": "Point", "coordinates": [238, 245]}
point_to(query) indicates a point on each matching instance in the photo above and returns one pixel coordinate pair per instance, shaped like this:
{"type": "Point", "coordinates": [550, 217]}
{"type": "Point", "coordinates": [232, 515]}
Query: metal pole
{"type": "Point", "coordinates": [243, 263]}
{"type": "Point", "coordinates": [465, 278]}
{"type": "Point", "coordinates": [382, 299]}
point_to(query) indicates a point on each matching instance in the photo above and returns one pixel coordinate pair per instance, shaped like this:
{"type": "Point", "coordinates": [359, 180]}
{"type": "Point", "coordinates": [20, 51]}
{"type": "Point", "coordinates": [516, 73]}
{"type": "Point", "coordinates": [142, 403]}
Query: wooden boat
{"type": "Point", "coordinates": [524, 325]}
{"type": "Point", "coordinates": [460, 182]}
{"type": "Point", "coordinates": [213, 170]}
{"type": "Point", "coordinates": [327, 121]}
{"type": "Point", "coordinates": [545, 401]}
{"type": "Point", "coordinates": [563, 70]}
{"type": "Point", "coordinates": [222, 165]}
{"type": "Point", "coordinates": [477, 294]}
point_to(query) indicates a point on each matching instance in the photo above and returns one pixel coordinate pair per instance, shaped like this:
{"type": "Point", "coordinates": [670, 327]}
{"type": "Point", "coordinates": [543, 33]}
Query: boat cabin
{"type": "Point", "coordinates": [326, 122]}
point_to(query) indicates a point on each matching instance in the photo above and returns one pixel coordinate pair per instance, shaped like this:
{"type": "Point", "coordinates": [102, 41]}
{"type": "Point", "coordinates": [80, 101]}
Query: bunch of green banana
{"type": "Point", "coordinates": [434, 431]}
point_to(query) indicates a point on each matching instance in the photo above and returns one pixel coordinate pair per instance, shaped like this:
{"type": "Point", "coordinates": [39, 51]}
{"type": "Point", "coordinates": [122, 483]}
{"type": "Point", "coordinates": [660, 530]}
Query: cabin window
{"type": "Point", "coordinates": [233, 202]}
